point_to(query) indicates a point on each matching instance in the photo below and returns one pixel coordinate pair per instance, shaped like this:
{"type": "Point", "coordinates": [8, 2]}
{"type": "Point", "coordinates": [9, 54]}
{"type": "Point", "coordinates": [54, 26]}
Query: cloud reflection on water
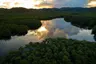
{"type": "Point", "coordinates": [54, 28]}
{"type": "Point", "coordinates": [50, 28]}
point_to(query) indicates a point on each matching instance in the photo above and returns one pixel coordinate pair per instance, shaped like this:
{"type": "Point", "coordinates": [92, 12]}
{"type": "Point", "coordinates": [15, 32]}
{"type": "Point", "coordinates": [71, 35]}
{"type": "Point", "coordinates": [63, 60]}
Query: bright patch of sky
{"type": "Point", "coordinates": [42, 3]}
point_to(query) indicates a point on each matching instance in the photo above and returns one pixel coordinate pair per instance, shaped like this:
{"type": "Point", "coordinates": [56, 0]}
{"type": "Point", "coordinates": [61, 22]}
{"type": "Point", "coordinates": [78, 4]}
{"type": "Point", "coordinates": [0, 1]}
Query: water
{"type": "Point", "coordinates": [50, 28]}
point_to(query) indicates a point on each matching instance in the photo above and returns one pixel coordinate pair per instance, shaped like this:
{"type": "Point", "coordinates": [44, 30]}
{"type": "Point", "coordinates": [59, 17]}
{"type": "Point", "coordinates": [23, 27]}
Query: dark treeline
{"type": "Point", "coordinates": [53, 51]}
{"type": "Point", "coordinates": [15, 27]}
{"type": "Point", "coordinates": [82, 17]}
{"type": "Point", "coordinates": [31, 23]}
{"type": "Point", "coordinates": [8, 30]}
{"type": "Point", "coordinates": [40, 14]}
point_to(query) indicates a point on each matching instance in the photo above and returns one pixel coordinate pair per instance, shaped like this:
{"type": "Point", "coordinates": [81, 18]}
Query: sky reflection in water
{"type": "Point", "coordinates": [50, 28]}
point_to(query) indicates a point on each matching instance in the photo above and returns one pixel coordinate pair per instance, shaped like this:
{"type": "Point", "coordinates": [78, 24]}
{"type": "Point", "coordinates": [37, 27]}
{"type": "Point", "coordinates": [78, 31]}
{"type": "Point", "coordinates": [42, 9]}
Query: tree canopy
{"type": "Point", "coordinates": [54, 51]}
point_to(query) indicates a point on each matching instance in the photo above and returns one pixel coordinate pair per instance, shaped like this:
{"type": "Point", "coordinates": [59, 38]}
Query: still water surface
{"type": "Point", "coordinates": [50, 28]}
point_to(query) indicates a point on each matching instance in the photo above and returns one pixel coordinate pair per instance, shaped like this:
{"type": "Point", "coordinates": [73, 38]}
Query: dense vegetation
{"type": "Point", "coordinates": [82, 21]}
{"type": "Point", "coordinates": [82, 17]}
{"type": "Point", "coordinates": [17, 21]}
{"type": "Point", "coordinates": [54, 51]}
{"type": "Point", "coordinates": [10, 25]}
{"type": "Point", "coordinates": [18, 27]}
{"type": "Point", "coordinates": [40, 14]}
{"type": "Point", "coordinates": [7, 30]}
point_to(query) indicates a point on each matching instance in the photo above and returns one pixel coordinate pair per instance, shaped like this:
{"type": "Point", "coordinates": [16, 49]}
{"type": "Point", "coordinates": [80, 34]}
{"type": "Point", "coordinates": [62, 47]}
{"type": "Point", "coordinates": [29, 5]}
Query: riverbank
{"type": "Point", "coordinates": [53, 51]}
{"type": "Point", "coordinates": [30, 18]}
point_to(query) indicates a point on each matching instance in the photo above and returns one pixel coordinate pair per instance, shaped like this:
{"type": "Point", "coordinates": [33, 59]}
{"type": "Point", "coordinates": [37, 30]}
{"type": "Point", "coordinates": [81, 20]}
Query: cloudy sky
{"type": "Point", "coordinates": [70, 3]}
{"type": "Point", "coordinates": [43, 3]}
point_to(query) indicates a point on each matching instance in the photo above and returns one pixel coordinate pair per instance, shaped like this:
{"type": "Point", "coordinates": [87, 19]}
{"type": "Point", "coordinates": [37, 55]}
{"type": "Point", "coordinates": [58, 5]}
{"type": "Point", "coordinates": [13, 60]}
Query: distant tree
{"type": "Point", "coordinates": [94, 30]}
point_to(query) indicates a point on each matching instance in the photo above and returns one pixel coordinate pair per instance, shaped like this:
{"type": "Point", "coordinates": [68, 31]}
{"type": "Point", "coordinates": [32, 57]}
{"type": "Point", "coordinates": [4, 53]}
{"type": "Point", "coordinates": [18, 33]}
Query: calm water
{"type": "Point", "coordinates": [50, 28]}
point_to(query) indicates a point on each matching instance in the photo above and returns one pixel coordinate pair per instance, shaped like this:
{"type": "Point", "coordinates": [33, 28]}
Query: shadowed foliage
{"type": "Point", "coordinates": [54, 51]}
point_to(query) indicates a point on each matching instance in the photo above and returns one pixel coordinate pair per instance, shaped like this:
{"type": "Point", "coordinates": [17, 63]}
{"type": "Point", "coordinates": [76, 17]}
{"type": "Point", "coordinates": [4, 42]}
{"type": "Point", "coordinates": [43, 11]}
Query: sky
{"type": "Point", "coordinates": [70, 3]}
{"type": "Point", "coordinates": [46, 3]}
{"type": "Point", "coordinates": [92, 3]}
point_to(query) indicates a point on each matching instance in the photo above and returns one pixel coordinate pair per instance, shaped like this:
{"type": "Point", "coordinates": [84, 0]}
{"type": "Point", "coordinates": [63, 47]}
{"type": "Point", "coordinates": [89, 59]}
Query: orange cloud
{"type": "Point", "coordinates": [92, 3]}
{"type": "Point", "coordinates": [26, 4]}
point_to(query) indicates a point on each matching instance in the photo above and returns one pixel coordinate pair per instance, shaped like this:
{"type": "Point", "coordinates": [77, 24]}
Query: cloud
{"type": "Point", "coordinates": [65, 26]}
{"type": "Point", "coordinates": [83, 35]}
{"type": "Point", "coordinates": [92, 3]}
{"type": "Point", "coordinates": [70, 3]}
{"type": "Point", "coordinates": [57, 28]}
{"type": "Point", "coordinates": [45, 5]}
{"type": "Point", "coordinates": [60, 3]}
{"type": "Point", "coordinates": [59, 33]}
{"type": "Point", "coordinates": [26, 3]}
{"type": "Point", "coordinates": [42, 3]}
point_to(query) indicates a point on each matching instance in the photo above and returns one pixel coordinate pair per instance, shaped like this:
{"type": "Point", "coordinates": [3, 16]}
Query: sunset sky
{"type": "Point", "coordinates": [46, 3]}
